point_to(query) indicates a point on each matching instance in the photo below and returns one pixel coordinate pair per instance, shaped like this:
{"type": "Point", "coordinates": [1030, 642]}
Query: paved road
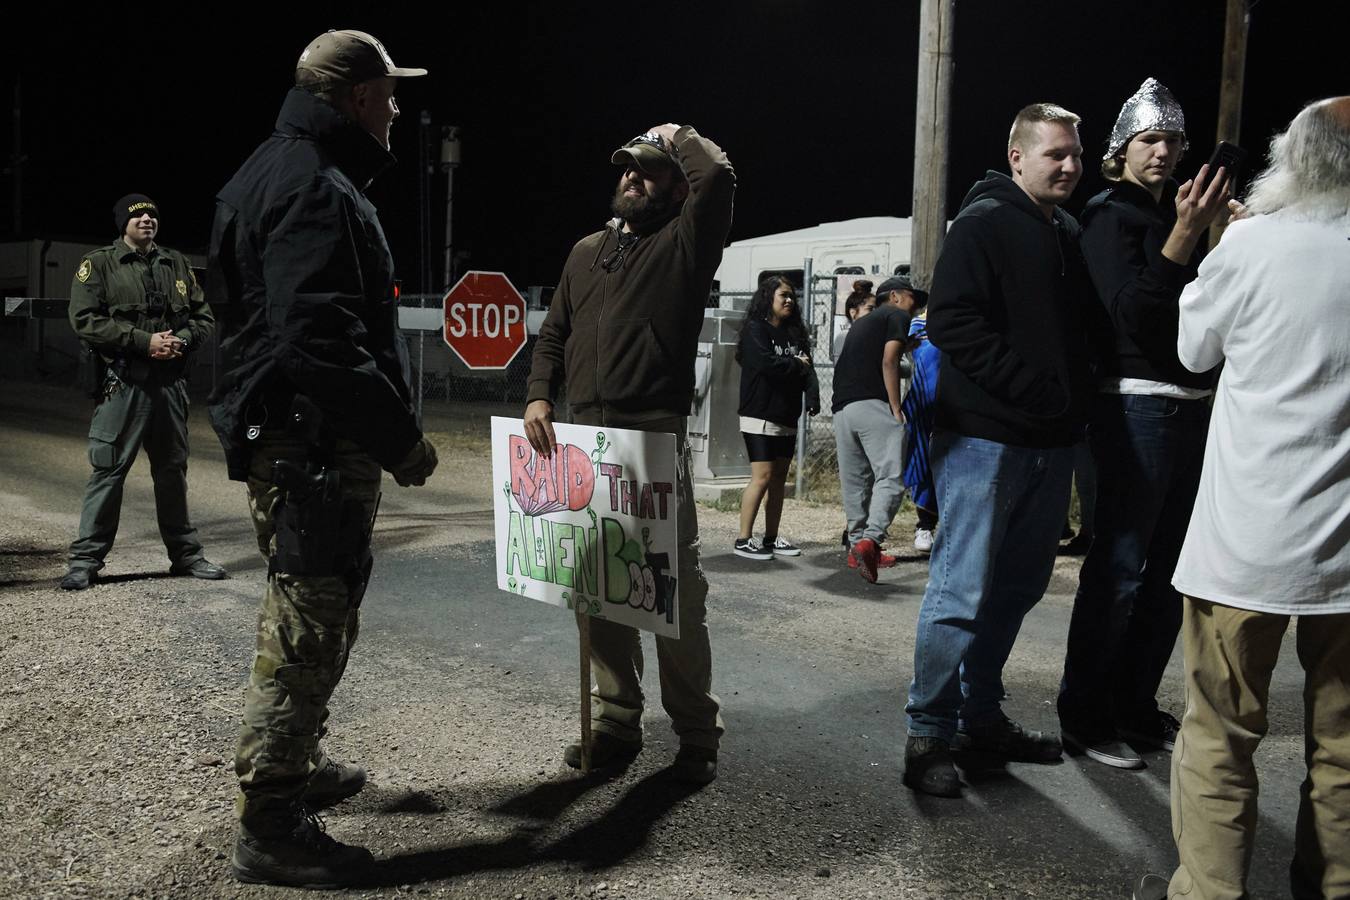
{"type": "Point", "coordinates": [460, 698]}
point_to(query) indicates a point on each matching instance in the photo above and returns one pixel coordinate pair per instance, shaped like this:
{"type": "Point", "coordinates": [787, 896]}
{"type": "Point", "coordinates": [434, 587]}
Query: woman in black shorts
{"type": "Point", "coordinates": [776, 372]}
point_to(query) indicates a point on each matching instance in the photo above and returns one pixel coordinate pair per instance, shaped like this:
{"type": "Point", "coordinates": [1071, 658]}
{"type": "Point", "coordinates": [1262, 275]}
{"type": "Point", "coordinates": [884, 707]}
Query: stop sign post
{"type": "Point", "coordinates": [484, 320]}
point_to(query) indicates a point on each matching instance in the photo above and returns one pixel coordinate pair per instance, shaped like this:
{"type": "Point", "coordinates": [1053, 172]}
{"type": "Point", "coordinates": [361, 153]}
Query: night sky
{"type": "Point", "coordinates": [813, 100]}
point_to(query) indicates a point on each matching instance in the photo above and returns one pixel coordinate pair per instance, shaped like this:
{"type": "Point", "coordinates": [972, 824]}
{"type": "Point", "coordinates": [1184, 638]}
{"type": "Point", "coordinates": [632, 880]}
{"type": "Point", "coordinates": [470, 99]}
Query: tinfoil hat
{"type": "Point", "coordinates": [1151, 108]}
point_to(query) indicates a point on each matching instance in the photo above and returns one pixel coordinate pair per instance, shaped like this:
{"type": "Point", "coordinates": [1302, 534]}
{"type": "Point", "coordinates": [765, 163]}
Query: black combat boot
{"type": "Point", "coordinates": [296, 851]}
{"type": "Point", "coordinates": [333, 782]}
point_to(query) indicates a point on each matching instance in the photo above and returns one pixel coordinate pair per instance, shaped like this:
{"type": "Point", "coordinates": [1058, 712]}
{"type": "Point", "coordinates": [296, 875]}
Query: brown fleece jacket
{"type": "Point", "coordinates": [624, 342]}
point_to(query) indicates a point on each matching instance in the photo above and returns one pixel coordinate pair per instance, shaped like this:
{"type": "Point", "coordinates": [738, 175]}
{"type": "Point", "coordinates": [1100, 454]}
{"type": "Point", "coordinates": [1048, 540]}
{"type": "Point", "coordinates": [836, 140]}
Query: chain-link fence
{"type": "Point", "coordinates": [36, 344]}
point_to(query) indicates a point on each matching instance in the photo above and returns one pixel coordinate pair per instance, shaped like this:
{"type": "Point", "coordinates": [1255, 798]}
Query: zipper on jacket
{"type": "Point", "coordinates": [599, 318]}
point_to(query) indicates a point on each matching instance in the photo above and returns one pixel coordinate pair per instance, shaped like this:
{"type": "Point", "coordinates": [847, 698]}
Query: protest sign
{"type": "Point", "coordinates": [592, 527]}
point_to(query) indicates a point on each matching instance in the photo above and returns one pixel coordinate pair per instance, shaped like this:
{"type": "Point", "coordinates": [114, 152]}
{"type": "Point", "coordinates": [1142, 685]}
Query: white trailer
{"type": "Point", "coordinates": [873, 246]}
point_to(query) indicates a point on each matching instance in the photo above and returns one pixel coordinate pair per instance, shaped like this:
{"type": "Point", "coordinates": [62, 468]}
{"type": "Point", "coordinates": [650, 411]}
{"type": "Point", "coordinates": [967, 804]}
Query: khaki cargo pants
{"type": "Point", "coordinates": [1229, 657]}
{"type": "Point", "coordinates": [685, 663]}
{"type": "Point", "coordinates": [306, 629]}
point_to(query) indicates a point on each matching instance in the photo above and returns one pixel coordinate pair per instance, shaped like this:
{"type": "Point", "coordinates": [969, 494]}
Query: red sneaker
{"type": "Point", "coordinates": [867, 553]}
{"type": "Point", "coordinates": [884, 560]}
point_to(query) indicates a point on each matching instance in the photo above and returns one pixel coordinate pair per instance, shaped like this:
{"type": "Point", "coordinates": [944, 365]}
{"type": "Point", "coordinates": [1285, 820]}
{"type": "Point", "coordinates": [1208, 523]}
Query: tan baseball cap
{"type": "Point", "coordinates": [347, 57]}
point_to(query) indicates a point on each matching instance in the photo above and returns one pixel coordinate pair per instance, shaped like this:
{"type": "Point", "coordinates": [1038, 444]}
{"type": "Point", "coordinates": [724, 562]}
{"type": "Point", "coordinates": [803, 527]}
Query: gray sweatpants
{"type": "Point", "coordinates": [870, 445]}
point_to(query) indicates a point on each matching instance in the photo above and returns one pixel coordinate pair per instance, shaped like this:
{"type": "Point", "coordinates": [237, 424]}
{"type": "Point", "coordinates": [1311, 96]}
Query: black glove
{"type": "Point", "coordinates": [417, 466]}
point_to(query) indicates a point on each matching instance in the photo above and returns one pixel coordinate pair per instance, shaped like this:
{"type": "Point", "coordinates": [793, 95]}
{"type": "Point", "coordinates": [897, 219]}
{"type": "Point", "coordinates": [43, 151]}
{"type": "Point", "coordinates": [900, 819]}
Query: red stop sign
{"type": "Point", "coordinates": [484, 320]}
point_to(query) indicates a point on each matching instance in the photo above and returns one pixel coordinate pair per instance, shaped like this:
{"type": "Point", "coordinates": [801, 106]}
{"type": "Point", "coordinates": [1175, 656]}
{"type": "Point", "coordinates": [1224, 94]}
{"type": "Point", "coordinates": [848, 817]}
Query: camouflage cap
{"type": "Point", "coordinates": [346, 57]}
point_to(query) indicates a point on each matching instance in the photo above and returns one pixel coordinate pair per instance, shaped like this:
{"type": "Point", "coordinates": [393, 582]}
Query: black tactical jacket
{"type": "Point", "coordinates": [298, 246]}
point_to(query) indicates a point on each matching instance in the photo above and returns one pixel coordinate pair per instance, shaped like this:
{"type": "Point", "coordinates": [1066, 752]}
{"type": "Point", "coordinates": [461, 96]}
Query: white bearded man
{"type": "Point", "coordinates": [1270, 305]}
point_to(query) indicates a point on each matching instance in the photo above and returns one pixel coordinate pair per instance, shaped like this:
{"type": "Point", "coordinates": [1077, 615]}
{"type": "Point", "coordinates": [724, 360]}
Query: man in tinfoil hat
{"type": "Point", "coordinates": [314, 404]}
{"type": "Point", "coordinates": [621, 337]}
{"type": "Point", "coordinates": [1146, 430]}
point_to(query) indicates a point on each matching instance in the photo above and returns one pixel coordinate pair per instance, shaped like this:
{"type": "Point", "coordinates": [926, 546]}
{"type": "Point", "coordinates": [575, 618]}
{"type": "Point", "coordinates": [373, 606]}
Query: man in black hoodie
{"type": "Point", "coordinates": [1006, 312]}
{"type": "Point", "coordinates": [314, 404]}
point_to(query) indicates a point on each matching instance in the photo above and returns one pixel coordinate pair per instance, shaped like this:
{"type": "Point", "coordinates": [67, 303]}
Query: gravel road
{"type": "Point", "coordinates": [118, 710]}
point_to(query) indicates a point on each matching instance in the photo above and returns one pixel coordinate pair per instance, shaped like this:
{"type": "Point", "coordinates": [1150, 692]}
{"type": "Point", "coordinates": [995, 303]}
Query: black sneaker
{"type": "Point", "coordinates": [751, 548]}
{"type": "Point", "coordinates": [298, 854]}
{"type": "Point", "coordinates": [606, 751]}
{"type": "Point", "coordinates": [1008, 739]}
{"type": "Point", "coordinates": [781, 547]}
{"type": "Point", "coordinates": [78, 580]}
{"type": "Point", "coordinates": [1107, 749]}
{"type": "Point", "coordinates": [333, 782]}
{"type": "Point", "coordinates": [695, 765]}
{"type": "Point", "coordinates": [929, 768]}
{"type": "Point", "coordinates": [1151, 887]}
{"type": "Point", "coordinates": [1159, 732]}
{"type": "Point", "coordinates": [199, 568]}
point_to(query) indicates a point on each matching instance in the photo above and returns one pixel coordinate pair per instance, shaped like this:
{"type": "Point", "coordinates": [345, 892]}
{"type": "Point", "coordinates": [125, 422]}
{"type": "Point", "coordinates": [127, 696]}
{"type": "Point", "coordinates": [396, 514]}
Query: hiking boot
{"type": "Point", "coordinates": [298, 854]}
{"type": "Point", "coordinates": [929, 768]}
{"type": "Point", "coordinates": [923, 540]}
{"type": "Point", "coordinates": [199, 568]}
{"type": "Point", "coordinates": [1006, 738]}
{"type": "Point", "coordinates": [751, 548]}
{"type": "Point", "coordinates": [1159, 732]}
{"type": "Point", "coordinates": [694, 765]}
{"type": "Point", "coordinates": [1107, 749]}
{"type": "Point", "coordinates": [782, 547]}
{"type": "Point", "coordinates": [868, 554]}
{"type": "Point", "coordinates": [333, 782]}
{"type": "Point", "coordinates": [1151, 887]}
{"type": "Point", "coordinates": [606, 751]}
{"type": "Point", "coordinates": [78, 579]}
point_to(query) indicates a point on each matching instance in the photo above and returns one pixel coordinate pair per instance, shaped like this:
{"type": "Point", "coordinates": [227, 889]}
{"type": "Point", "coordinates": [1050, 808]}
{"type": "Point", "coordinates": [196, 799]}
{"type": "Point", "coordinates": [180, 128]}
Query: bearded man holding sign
{"type": "Point", "coordinates": [620, 338]}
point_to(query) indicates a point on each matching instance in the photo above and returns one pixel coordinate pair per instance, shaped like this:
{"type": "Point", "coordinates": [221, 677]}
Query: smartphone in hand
{"type": "Point", "coordinates": [1231, 158]}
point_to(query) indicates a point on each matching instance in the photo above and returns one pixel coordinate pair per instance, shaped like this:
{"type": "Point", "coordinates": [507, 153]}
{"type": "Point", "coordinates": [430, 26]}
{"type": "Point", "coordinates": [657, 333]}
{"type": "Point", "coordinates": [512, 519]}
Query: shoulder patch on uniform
{"type": "Point", "coordinates": [182, 287]}
{"type": "Point", "coordinates": [83, 273]}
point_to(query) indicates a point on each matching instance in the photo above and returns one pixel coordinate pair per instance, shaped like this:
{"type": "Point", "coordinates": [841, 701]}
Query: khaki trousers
{"type": "Point", "coordinates": [1229, 656]}
{"type": "Point", "coordinates": [685, 663]}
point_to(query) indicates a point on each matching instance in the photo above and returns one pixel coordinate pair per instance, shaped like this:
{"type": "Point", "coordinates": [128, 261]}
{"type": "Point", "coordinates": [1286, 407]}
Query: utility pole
{"type": "Point", "coordinates": [1235, 27]}
{"type": "Point", "coordinates": [932, 131]}
{"type": "Point", "coordinates": [450, 159]}
{"type": "Point", "coordinates": [16, 160]}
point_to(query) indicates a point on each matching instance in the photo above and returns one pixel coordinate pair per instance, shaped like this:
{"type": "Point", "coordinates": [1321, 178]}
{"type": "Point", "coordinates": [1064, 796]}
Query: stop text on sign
{"type": "Point", "coordinates": [482, 319]}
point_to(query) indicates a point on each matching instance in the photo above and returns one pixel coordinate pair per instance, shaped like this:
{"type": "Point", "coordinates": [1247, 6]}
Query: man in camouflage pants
{"type": "Point", "coordinates": [315, 403]}
{"type": "Point", "coordinates": [137, 306]}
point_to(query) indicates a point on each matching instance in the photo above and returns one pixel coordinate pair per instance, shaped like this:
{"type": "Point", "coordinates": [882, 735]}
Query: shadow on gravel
{"type": "Point", "coordinates": [604, 842]}
{"type": "Point", "coordinates": [413, 802]}
{"type": "Point", "coordinates": [132, 576]}
{"type": "Point", "coordinates": [546, 801]}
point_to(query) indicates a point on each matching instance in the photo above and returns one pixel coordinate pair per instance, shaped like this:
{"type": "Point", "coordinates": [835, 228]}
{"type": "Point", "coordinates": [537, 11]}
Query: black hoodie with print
{"type": "Point", "coordinates": [1009, 310]}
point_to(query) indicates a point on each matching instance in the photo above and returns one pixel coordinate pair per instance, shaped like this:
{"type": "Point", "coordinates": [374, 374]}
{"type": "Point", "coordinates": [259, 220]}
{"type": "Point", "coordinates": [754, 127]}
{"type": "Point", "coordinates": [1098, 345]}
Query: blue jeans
{"type": "Point", "coordinates": [1126, 615]}
{"type": "Point", "coordinates": [1002, 511]}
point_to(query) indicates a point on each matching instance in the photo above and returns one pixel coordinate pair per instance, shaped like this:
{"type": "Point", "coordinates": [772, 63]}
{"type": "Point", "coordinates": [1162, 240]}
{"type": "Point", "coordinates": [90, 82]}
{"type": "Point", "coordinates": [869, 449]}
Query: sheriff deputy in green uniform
{"type": "Point", "coordinates": [137, 305]}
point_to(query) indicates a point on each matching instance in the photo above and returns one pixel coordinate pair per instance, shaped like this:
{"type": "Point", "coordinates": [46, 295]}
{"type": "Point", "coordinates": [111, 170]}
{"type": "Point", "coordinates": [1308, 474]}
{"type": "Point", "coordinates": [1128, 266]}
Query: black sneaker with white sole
{"type": "Point", "coordinates": [1159, 731]}
{"type": "Point", "coordinates": [1107, 749]}
{"type": "Point", "coordinates": [751, 548]}
{"type": "Point", "coordinates": [781, 547]}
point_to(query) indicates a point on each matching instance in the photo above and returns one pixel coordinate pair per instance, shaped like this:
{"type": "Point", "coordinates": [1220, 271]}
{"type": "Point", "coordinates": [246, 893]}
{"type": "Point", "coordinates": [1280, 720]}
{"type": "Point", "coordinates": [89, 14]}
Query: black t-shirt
{"type": "Point", "coordinates": [857, 372]}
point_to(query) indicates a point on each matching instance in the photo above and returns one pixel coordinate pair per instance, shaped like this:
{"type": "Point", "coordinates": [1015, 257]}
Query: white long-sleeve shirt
{"type": "Point", "coordinates": [1271, 521]}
